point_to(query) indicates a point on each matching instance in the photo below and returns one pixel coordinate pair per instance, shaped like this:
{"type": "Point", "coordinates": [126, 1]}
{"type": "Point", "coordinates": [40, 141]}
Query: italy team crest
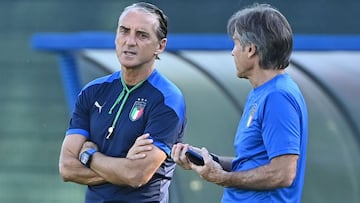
{"type": "Point", "coordinates": [251, 115]}
{"type": "Point", "coordinates": [137, 110]}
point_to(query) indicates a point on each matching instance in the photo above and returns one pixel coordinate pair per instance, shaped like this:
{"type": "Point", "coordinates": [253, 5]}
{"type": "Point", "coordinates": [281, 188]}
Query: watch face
{"type": "Point", "coordinates": [84, 158]}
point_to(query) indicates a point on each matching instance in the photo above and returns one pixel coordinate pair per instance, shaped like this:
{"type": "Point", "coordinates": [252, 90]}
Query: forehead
{"type": "Point", "coordinates": [235, 35]}
{"type": "Point", "coordinates": [138, 18]}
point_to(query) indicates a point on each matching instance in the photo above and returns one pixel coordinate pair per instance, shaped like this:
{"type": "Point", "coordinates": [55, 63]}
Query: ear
{"type": "Point", "coordinates": [161, 46]}
{"type": "Point", "coordinates": [251, 49]}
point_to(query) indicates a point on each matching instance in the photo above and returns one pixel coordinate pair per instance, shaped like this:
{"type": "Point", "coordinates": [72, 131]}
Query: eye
{"type": "Point", "coordinates": [123, 30]}
{"type": "Point", "coordinates": [143, 35]}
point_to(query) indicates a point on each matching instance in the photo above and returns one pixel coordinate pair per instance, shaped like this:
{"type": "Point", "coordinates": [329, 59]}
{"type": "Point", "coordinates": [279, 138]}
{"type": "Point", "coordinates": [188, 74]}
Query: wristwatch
{"type": "Point", "coordinates": [85, 156]}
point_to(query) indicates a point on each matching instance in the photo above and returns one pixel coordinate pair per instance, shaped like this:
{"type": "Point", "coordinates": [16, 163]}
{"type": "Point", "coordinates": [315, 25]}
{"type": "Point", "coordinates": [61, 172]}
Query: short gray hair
{"type": "Point", "coordinates": [266, 28]}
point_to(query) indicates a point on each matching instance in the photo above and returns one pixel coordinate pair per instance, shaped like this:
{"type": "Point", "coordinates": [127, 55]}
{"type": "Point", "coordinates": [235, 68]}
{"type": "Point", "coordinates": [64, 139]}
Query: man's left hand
{"type": "Point", "coordinates": [211, 170]}
{"type": "Point", "coordinates": [142, 144]}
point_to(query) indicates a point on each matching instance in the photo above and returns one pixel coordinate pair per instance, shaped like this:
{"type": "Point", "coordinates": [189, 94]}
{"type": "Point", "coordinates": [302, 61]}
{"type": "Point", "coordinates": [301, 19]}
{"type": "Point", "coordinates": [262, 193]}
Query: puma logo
{"type": "Point", "coordinates": [99, 106]}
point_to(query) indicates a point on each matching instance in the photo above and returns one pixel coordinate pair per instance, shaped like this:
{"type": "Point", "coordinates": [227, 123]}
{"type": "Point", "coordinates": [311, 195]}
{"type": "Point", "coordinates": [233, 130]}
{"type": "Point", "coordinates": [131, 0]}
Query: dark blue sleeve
{"type": "Point", "coordinates": [165, 128]}
{"type": "Point", "coordinates": [79, 122]}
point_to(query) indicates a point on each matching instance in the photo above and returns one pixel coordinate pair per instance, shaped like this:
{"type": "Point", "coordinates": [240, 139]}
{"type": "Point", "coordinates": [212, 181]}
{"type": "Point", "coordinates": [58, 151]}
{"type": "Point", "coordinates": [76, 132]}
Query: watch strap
{"type": "Point", "coordinates": [91, 151]}
{"type": "Point", "coordinates": [86, 156]}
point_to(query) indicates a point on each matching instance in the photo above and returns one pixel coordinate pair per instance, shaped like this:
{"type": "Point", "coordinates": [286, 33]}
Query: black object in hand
{"type": "Point", "coordinates": [197, 159]}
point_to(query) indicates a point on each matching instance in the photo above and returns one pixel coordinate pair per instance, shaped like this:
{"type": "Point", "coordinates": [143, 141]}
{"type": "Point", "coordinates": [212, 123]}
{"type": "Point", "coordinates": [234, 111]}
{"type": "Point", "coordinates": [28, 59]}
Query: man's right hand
{"type": "Point", "coordinates": [87, 145]}
{"type": "Point", "coordinates": [178, 155]}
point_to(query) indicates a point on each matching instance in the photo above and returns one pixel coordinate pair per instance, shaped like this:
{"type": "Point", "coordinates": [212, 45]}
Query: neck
{"type": "Point", "coordinates": [133, 76]}
{"type": "Point", "coordinates": [262, 76]}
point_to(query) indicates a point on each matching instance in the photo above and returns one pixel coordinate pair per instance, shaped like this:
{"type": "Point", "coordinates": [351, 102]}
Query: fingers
{"type": "Point", "coordinates": [142, 145]}
{"type": "Point", "coordinates": [136, 156]}
{"type": "Point", "coordinates": [143, 140]}
{"type": "Point", "coordinates": [178, 155]}
{"type": "Point", "coordinates": [143, 136]}
{"type": "Point", "coordinates": [141, 149]}
{"type": "Point", "coordinates": [89, 144]}
{"type": "Point", "coordinates": [205, 154]}
{"type": "Point", "coordinates": [204, 170]}
{"type": "Point", "coordinates": [176, 152]}
{"type": "Point", "coordinates": [196, 149]}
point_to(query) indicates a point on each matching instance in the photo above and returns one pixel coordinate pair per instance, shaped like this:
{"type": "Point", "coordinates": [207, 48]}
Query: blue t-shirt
{"type": "Point", "coordinates": [156, 107]}
{"type": "Point", "coordinates": [274, 123]}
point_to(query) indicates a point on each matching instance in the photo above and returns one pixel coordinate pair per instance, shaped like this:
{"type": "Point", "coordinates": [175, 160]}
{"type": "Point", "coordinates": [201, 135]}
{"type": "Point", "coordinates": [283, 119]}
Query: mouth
{"type": "Point", "coordinates": [129, 53]}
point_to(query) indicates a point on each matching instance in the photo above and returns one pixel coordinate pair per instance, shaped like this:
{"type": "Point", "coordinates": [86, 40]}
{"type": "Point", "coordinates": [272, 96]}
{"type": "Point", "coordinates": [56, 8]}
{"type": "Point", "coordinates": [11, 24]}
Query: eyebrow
{"type": "Point", "coordinates": [123, 27]}
{"type": "Point", "coordinates": [137, 31]}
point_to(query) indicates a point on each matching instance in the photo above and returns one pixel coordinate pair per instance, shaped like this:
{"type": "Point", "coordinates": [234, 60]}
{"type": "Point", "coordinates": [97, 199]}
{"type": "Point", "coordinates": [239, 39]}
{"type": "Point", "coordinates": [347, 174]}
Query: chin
{"type": "Point", "coordinates": [127, 66]}
{"type": "Point", "coordinates": [239, 75]}
{"type": "Point", "coordinates": [128, 63]}
{"type": "Point", "coordinates": [242, 76]}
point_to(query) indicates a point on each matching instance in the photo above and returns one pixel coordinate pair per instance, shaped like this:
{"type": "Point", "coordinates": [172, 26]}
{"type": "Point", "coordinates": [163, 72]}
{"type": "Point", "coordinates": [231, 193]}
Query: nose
{"type": "Point", "coordinates": [130, 39]}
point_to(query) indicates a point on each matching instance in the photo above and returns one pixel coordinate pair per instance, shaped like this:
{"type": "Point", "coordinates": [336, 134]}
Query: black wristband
{"type": "Point", "coordinates": [86, 156]}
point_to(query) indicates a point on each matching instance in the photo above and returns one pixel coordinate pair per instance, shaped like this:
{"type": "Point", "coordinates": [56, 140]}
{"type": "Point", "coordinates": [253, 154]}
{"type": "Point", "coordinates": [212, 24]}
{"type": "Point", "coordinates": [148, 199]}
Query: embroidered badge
{"type": "Point", "coordinates": [137, 110]}
{"type": "Point", "coordinates": [251, 115]}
